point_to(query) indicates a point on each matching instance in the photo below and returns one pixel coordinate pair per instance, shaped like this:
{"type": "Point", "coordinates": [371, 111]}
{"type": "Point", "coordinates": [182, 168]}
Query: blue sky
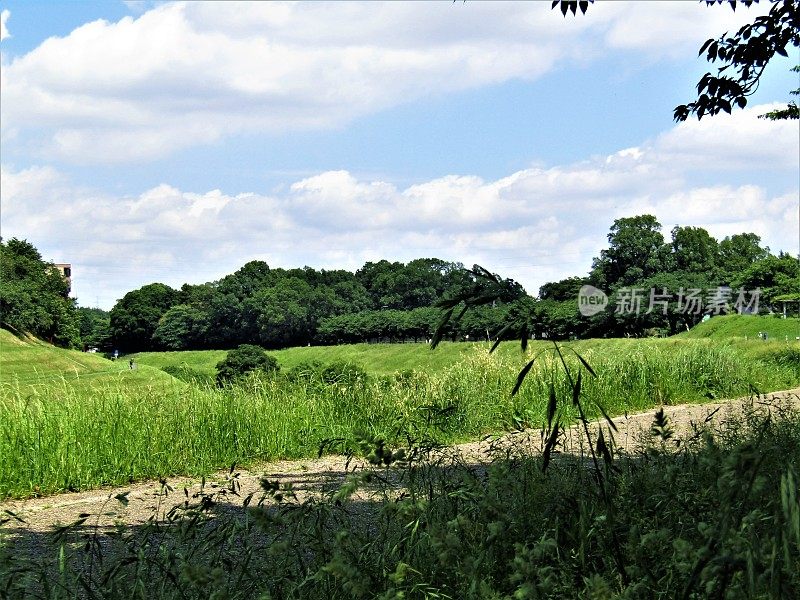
{"type": "Point", "coordinates": [173, 142]}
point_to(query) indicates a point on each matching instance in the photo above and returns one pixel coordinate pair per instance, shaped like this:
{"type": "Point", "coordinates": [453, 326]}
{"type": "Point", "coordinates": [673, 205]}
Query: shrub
{"type": "Point", "coordinates": [305, 372]}
{"type": "Point", "coordinates": [245, 359]}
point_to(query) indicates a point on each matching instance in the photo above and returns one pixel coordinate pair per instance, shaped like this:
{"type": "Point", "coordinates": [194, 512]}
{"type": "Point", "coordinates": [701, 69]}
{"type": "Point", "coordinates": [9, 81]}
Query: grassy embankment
{"type": "Point", "coordinates": [739, 327]}
{"type": "Point", "coordinates": [716, 516]}
{"type": "Point", "coordinates": [384, 359]}
{"type": "Point", "coordinates": [377, 359]}
{"type": "Point", "coordinates": [74, 421]}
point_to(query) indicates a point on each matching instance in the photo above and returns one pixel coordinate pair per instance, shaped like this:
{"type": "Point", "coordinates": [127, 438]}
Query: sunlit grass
{"type": "Point", "coordinates": [77, 433]}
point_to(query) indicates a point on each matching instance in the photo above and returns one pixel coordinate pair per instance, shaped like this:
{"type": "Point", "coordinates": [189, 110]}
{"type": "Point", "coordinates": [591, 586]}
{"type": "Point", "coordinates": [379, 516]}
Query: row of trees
{"type": "Point", "coordinates": [276, 307]}
{"type": "Point", "coordinates": [653, 286]}
{"type": "Point", "coordinates": [659, 286]}
{"type": "Point", "coordinates": [649, 282]}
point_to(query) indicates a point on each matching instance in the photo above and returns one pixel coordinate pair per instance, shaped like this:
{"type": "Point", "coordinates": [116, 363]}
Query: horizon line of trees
{"type": "Point", "coordinates": [275, 308]}
{"type": "Point", "coordinates": [392, 301]}
{"type": "Point", "coordinates": [722, 276]}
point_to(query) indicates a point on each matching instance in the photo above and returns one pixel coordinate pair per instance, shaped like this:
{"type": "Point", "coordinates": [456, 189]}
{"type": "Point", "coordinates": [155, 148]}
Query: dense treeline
{"type": "Point", "coordinates": [34, 296]}
{"type": "Point", "coordinates": [654, 286]}
{"type": "Point", "coordinates": [382, 301]}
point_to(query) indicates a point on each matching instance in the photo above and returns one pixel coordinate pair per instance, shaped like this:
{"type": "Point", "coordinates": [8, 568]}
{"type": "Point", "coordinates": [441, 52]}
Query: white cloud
{"type": "Point", "coordinates": [535, 225]}
{"type": "Point", "coordinates": [694, 144]}
{"type": "Point", "coordinates": [670, 28]}
{"type": "Point", "coordinates": [182, 74]}
{"type": "Point", "coordinates": [4, 15]}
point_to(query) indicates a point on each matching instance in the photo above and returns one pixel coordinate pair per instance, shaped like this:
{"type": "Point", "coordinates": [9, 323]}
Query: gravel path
{"type": "Point", "coordinates": [315, 476]}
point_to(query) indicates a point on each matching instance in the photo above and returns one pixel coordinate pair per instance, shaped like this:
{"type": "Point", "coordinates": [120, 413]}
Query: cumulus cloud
{"type": "Point", "coordinates": [4, 15]}
{"type": "Point", "coordinates": [694, 143]}
{"type": "Point", "coordinates": [183, 74]}
{"type": "Point", "coordinates": [536, 225]}
{"type": "Point", "coordinates": [657, 30]}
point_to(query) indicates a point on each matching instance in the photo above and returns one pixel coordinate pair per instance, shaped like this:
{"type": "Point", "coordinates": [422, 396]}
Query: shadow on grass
{"type": "Point", "coordinates": [712, 514]}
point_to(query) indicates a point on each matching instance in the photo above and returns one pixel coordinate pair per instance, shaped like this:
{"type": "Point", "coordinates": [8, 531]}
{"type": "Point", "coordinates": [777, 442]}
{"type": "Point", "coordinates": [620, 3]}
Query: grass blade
{"type": "Point", "coordinates": [521, 376]}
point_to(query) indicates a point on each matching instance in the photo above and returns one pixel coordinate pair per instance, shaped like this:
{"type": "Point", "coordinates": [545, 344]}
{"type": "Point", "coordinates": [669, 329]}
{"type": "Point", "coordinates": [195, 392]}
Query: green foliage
{"type": "Point", "coordinates": [135, 318]}
{"type": "Point", "coordinates": [107, 424]}
{"type": "Point", "coordinates": [277, 308]}
{"type": "Point", "coordinates": [744, 56]}
{"type": "Point", "coordinates": [189, 375]}
{"type": "Point", "coordinates": [634, 253]}
{"type": "Point", "coordinates": [243, 360]}
{"type": "Point", "coordinates": [280, 313]}
{"type": "Point", "coordinates": [775, 276]}
{"type": "Point", "coordinates": [335, 373]}
{"type": "Point", "coordinates": [737, 253]}
{"type": "Point", "coordinates": [95, 328]}
{"type": "Point", "coordinates": [34, 296]}
{"type": "Point", "coordinates": [183, 326]}
{"type": "Point", "coordinates": [343, 374]}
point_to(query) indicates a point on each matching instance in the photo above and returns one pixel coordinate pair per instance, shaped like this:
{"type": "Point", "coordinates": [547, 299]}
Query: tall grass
{"type": "Point", "coordinates": [716, 516]}
{"type": "Point", "coordinates": [68, 438]}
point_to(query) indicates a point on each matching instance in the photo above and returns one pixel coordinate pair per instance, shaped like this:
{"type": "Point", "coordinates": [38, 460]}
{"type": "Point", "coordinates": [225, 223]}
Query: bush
{"type": "Point", "coordinates": [305, 372]}
{"type": "Point", "coordinates": [245, 359]}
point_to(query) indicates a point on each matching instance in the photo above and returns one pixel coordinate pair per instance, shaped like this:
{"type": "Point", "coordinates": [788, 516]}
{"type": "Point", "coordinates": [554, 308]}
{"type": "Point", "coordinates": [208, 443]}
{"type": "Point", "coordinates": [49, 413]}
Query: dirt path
{"type": "Point", "coordinates": [314, 476]}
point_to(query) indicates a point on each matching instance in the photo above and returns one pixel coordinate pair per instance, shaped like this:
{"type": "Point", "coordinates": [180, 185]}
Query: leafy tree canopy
{"type": "Point", "coordinates": [135, 318]}
{"type": "Point", "coordinates": [742, 57]}
{"type": "Point", "coordinates": [635, 252]}
{"type": "Point", "coordinates": [95, 328]}
{"type": "Point", "coordinates": [34, 296]}
{"type": "Point", "coordinates": [183, 326]}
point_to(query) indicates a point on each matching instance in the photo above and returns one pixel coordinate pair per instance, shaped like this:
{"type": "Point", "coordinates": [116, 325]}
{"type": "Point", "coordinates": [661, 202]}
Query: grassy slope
{"type": "Point", "coordinates": [741, 326]}
{"type": "Point", "coordinates": [383, 359]}
{"type": "Point", "coordinates": [32, 365]}
{"type": "Point", "coordinates": [375, 358]}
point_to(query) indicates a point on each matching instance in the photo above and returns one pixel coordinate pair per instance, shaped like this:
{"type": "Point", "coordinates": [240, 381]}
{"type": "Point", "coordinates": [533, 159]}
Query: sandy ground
{"type": "Point", "coordinates": [316, 476]}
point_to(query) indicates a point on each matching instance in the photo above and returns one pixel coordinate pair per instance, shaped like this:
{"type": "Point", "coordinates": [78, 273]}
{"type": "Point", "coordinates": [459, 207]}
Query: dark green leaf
{"type": "Point", "coordinates": [607, 418]}
{"type": "Point", "coordinates": [586, 365]}
{"type": "Point", "coordinates": [552, 404]}
{"type": "Point", "coordinates": [499, 336]}
{"type": "Point", "coordinates": [548, 447]}
{"type": "Point", "coordinates": [521, 376]}
{"type": "Point", "coordinates": [576, 390]}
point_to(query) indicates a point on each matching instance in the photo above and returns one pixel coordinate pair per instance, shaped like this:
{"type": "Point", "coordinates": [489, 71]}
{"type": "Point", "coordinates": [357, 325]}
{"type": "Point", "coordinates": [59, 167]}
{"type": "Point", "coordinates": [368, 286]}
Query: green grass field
{"type": "Point", "coordinates": [33, 366]}
{"type": "Point", "coordinates": [74, 421]}
{"type": "Point", "coordinates": [379, 359]}
{"type": "Point", "coordinates": [384, 359]}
